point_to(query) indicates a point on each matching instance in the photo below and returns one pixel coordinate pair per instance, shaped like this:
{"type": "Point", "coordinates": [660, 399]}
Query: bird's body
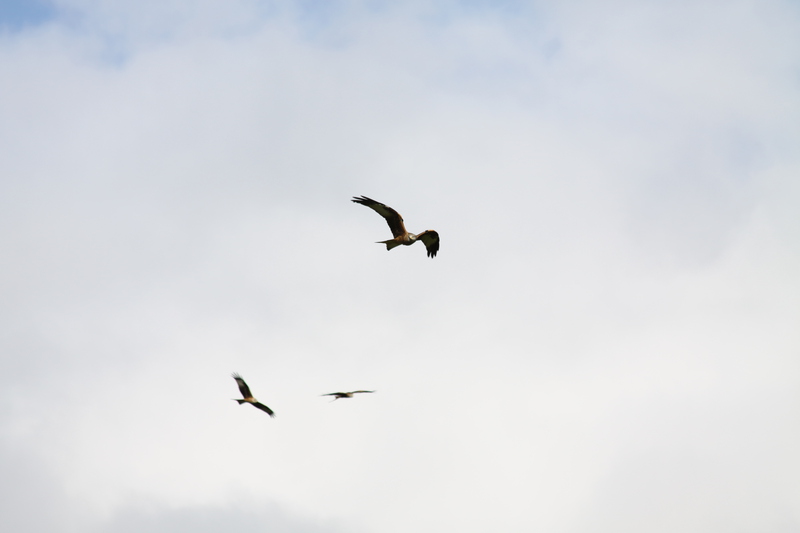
{"type": "Point", "coordinates": [429, 238]}
{"type": "Point", "coordinates": [247, 396]}
{"type": "Point", "coordinates": [340, 395]}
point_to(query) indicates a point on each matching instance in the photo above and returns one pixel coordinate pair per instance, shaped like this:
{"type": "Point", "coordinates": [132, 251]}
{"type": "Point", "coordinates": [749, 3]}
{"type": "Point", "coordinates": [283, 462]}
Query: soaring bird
{"type": "Point", "coordinates": [340, 395]}
{"type": "Point", "coordinates": [248, 397]}
{"type": "Point", "coordinates": [429, 237]}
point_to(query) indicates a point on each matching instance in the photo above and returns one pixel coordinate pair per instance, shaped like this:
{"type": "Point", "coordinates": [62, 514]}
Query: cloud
{"type": "Point", "coordinates": [208, 520]}
{"type": "Point", "coordinates": [32, 500]}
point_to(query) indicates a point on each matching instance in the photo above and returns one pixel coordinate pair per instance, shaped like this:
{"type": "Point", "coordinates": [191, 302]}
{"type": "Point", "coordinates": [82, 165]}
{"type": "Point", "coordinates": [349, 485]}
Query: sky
{"type": "Point", "coordinates": [606, 342]}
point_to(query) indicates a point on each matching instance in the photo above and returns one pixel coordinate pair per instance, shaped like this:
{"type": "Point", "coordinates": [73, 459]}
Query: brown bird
{"type": "Point", "coordinates": [346, 394]}
{"type": "Point", "coordinates": [248, 397]}
{"type": "Point", "coordinates": [429, 238]}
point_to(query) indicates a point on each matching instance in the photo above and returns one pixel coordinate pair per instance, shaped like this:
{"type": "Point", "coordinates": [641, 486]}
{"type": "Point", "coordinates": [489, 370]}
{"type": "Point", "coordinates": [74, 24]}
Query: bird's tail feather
{"type": "Point", "coordinates": [389, 244]}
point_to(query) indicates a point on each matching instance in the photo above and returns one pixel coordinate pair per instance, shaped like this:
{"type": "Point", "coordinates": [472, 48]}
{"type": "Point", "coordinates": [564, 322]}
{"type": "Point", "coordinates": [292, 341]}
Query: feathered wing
{"type": "Point", "coordinates": [430, 239]}
{"type": "Point", "coordinates": [264, 408]}
{"type": "Point", "coordinates": [243, 388]}
{"type": "Point", "coordinates": [392, 217]}
{"type": "Point", "coordinates": [345, 394]}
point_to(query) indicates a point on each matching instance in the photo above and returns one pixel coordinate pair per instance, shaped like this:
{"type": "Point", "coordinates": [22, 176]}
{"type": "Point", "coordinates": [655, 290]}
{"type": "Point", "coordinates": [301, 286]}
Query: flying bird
{"type": "Point", "coordinates": [248, 397]}
{"type": "Point", "coordinates": [429, 238]}
{"type": "Point", "coordinates": [340, 395]}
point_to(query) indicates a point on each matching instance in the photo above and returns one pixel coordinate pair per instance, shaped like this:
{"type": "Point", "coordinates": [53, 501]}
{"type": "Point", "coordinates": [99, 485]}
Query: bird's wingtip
{"type": "Point", "coordinates": [363, 200]}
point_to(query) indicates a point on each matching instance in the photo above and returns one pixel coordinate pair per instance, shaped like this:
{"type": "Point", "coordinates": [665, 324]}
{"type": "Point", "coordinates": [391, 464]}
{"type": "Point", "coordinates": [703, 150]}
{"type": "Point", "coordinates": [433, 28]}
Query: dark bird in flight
{"type": "Point", "coordinates": [248, 396]}
{"type": "Point", "coordinates": [340, 395]}
{"type": "Point", "coordinates": [429, 238]}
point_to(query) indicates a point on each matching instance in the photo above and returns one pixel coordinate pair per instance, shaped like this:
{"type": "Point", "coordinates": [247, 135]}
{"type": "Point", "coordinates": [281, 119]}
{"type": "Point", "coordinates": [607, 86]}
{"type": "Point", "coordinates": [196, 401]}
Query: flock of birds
{"type": "Point", "coordinates": [400, 235]}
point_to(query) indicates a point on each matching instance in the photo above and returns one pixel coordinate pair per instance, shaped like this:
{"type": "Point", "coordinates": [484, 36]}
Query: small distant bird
{"type": "Point", "coordinates": [429, 238]}
{"type": "Point", "coordinates": [248, 397]}
{"type": "Point", "coordinates": [340, 395]}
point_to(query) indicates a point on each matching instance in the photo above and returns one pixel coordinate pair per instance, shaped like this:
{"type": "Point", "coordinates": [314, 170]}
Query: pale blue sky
{"type": "Point", "coordinates": [18, 14]}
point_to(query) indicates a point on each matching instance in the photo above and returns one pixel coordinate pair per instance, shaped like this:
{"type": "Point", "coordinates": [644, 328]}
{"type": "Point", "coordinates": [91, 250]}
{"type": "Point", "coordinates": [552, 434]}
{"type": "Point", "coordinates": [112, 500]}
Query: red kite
{"type": "Point", "coordinates": [340, 395]}
{"type": "Point", "coordinates": [248, 397]}
{"type": "Point", "coordinates": [429, 238]}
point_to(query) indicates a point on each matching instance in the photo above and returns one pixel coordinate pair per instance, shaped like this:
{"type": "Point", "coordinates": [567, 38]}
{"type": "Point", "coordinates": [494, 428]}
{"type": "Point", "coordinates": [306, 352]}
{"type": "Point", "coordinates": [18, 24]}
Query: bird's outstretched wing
{"type": "Point", "coordinates": [334, 394]}
{"type": "Point", "coordinates": [358, 391]}
{"type": "Point", "coordinates": [264, 408]}
{"type": "Point", "coordinates": [430, 239]}
{"type": "Point", "coordinates": [243, 388]}
{"type": "Point", "coordinates": [392, 217]}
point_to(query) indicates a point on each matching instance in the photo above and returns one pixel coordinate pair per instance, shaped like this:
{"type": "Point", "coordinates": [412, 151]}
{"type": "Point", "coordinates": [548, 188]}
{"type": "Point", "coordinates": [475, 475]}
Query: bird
{"type": "Point", "coordinates": [248, 396]}
{"type": "Point", "coordinates": [429, 238]}
{"type": "Point", "coordinates": [340, 395]}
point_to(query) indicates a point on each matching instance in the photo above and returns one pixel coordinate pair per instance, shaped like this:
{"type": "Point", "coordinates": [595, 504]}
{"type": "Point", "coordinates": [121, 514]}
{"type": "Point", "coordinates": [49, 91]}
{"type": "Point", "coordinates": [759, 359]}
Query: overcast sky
{"type": "Point", "coordinates": [608, 340]}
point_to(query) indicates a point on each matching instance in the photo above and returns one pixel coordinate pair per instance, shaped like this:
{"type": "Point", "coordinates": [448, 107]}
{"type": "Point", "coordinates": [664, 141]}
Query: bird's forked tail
{"type": "Point", "coordinates": [389, 244]}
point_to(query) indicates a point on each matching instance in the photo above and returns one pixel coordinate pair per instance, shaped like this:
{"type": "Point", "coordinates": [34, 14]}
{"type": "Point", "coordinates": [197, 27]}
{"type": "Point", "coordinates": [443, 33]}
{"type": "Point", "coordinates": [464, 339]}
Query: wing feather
{"type": "Point", "coordinates": [392, 217]}
{"type": "Point", "coordinates": [430, 239]}
{"type": "Point", "coordinates": [243, 388]}
{"type": "Point", "coordinates": [264, 408]}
